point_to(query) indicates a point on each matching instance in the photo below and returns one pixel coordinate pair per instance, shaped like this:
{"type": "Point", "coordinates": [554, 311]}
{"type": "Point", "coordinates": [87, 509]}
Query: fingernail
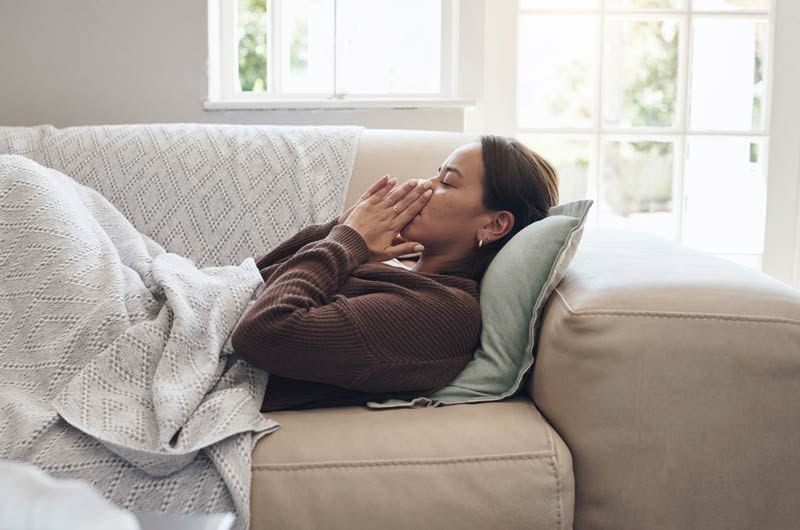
{"type": "Point", "coordinates": [426, 184]}
{"type": "Point", "coordinates": [427, 193]}
{"type": "Point", "coordinates": [419, 248]}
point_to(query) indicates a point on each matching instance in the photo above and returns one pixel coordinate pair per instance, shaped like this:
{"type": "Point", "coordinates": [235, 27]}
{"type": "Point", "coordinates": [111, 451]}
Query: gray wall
{"type": "Point", "coordinates": [86, 62]}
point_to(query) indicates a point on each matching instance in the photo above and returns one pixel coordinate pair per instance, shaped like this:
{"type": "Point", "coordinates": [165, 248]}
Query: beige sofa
{"type": "Point", "coordinates": [665, 394]}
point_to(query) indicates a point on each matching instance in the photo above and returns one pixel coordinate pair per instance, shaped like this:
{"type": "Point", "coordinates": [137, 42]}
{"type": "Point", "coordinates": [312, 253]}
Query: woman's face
{"type": "Point", "coordinates": [448, 225]}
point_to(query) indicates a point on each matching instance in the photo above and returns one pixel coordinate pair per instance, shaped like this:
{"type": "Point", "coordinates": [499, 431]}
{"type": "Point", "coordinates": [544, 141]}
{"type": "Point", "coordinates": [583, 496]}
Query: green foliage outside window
{"type": "Point", "coordinates": [252, 45]}
{"type": "Point", "coordinates": [298, 51]}
{"type": "Point", "coordinates": [637, 175]}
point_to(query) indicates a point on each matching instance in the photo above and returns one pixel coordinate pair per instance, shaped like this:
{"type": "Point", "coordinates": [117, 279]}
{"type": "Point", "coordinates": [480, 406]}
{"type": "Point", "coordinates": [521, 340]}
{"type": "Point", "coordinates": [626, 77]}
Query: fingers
{"type": "Point", "coordinates": [380, 183]}
{"type": "Point", "coordinates": [396, 195]}
{"type": "Point", "coordinates": [412, 200]}
{"type": "Point", "coordinates": [419, 200]}
{"type": "Point", "coordinates": [393, 194]}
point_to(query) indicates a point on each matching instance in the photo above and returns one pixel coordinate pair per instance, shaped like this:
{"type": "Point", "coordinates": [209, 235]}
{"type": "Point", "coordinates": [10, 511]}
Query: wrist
{"type": "Point", "coordinates": [352, 240]}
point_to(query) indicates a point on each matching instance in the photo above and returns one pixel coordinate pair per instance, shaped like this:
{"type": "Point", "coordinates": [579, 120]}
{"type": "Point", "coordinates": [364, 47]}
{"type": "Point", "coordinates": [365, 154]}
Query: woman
{"type": "Point", "coordinates": [340, 320]}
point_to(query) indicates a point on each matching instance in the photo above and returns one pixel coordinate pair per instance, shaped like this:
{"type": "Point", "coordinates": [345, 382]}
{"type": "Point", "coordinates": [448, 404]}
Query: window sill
{"type": "Point", "coordinates": [300, 104]}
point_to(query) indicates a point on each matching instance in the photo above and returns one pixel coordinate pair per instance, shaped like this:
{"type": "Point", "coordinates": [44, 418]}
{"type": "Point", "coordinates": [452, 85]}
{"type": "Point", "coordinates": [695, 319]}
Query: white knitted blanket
{"type": "Point", "coordinates": [115, 359]}
{"type": "Point", "coordinates": [214, 193]}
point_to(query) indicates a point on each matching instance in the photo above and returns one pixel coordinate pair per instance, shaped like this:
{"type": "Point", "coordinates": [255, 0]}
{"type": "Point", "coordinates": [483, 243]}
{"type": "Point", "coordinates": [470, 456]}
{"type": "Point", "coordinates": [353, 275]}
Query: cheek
{"type": "Point", "coordinates": [440, 201]}
{"type": "Point", "coordinates": [445, 206]}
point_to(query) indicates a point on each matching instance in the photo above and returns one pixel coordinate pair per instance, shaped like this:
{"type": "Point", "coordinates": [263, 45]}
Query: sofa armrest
{"type": "Point", "coordinates": [673, 376]}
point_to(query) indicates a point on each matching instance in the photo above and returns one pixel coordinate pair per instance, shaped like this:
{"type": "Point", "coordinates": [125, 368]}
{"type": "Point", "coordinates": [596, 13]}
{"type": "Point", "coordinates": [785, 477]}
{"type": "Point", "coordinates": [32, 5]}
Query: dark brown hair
{"type": "Point", "coordinates": [518, 180]}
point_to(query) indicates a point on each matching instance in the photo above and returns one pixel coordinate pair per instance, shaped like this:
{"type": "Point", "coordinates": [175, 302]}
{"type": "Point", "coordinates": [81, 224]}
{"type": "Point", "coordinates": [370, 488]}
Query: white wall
{"type": "Point", "coordinates": [82, 62]}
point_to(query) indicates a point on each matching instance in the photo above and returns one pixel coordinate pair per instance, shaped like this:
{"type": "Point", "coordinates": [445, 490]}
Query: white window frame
{"type": "Point", "coordinates": [222, 69]}
{"type": "Point", "coordinates": [781, 133]}
{"type": "Point", "coordinates": [782, 238]}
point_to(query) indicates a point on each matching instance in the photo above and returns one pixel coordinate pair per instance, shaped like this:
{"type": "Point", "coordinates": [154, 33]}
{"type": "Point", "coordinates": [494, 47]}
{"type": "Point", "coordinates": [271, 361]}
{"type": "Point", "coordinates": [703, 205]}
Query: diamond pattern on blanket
{"type": "Point", "coordinates": [116, 365]}
{"type": "Point", "coordinates": [116, 354]}
{"type": "Point", "coordinates": [215, 194]}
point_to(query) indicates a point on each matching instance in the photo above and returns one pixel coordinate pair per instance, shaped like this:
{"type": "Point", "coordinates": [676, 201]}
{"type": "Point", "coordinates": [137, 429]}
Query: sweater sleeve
{"type": "Point", "coordinates": [290, 246]}
{"type": "Point", "coordinates": [402, 339]}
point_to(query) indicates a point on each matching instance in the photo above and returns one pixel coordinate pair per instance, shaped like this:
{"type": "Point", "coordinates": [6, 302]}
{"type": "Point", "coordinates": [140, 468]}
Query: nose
{"type": "Point", "coordinates": [431, 183]}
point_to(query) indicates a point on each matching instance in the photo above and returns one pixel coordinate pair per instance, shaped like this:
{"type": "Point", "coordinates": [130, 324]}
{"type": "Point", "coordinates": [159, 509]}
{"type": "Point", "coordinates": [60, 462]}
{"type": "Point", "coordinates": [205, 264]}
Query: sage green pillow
{"type": "Point", "coordinates": [514, 290]}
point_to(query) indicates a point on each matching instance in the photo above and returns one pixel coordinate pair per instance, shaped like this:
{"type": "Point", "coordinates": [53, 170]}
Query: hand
{"type": "Point", "coordinates": [383, 181]}
{"type": "Point", "coordinates": [376, 221]}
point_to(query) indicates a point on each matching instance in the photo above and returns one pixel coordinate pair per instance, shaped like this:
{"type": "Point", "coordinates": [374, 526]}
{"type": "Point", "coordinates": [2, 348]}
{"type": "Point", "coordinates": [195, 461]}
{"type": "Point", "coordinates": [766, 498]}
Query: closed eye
{"type": "Point", "coordinates": [438, 170]}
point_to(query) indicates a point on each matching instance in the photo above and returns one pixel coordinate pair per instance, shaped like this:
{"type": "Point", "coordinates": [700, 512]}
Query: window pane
{"type": "Point", "coordinates": [385, 46]}
{"type": "Point", "coordinates": [640, 72]}
{"type": "Point", "coordinates": [725, 190]}
{"type": "Point", "coordinates": [251, 34]}
{"type": "Point", "coordinates": [729, 5]}
{"type": "Point", "coordinates": [569, 155]}
{"type": "Point", "coordinates": [559, 4]}
{"type": "Point", "coordinates": [636, 187]}
{"type": "Point", "coordinates": [645, 4]}
{"type": "Point", "coordinates": [555, 70]}
{"type": "Point", "coordinates": [307, 54]}
{"type": "Point", "coordinates": [728, 74]}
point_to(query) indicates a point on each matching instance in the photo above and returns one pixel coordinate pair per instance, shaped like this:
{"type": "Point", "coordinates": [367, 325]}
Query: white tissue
{"type": "Point", "coordinates": [30, 499]}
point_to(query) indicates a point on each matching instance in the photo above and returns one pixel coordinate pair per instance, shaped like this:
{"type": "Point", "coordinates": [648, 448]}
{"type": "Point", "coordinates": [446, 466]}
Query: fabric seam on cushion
{"type": "Point", "coordinates": [554, 456]}
{"type": "Point", "coordinates": [553, 461]}
{"type": "Point", "coordinates": [413, 462]}
{"type": "Point", "coordinates": [667, 314]}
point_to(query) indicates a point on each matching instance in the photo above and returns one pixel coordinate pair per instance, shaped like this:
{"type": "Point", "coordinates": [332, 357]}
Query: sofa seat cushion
{"type": "Point", "coordinates": [487, 465]}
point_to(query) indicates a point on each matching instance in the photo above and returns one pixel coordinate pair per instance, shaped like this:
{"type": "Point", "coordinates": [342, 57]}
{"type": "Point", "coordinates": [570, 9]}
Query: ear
{"type": "Point", "coordinates": [502, 222]}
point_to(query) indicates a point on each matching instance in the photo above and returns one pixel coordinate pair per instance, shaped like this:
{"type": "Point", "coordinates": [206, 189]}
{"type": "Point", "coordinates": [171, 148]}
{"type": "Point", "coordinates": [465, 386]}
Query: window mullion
{"type": "Point", "coordinates": [682, 149]}
{"type": "Point", "coordinates": [335, 94]}
{"type": "Point", "coordinates": [770, 65]}
{"type": "Point", "coordinates": [642, 131]}
{"type": "Point", "coordinates": [274, 67]}
{"type": "Point", "coordinates": [646, 12]}
{"type": "Point", "coordinates": [228, 68]}
{"type": "Point", "coordinates": [500, 79]}
{"type": "Point", "coordinates": [448, 65]}
{"type": "Point", "coordinates": [598, 110]}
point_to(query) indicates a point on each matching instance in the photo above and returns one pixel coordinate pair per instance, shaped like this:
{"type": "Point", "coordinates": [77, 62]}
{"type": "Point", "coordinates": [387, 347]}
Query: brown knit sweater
{"type": "Point", "coordinates": [332, 329]}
